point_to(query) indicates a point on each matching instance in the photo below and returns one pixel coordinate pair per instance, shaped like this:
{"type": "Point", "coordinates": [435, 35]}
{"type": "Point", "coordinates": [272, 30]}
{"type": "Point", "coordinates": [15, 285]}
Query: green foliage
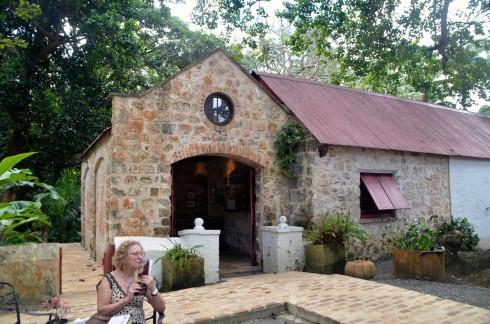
{"type": "Point", "coordinates": [287, 141]}
{"type": "Point", "coordinates": [336, 229]}
{"type": "Point", "coordinates": [232, 15]}
{"type": "Point", "coordinates": [379, 43]}
{"type": "Point", "coordinates": [485, 110]}
{"type": "Point", "coordinates": [380, 46]}
{"type": "Point", "coordinates": [21, 221]}
{"type": "Point", "coordinates": [470, 238]}
{"type": "Point", "coordinates": [64, 213]}
{"type": "Point", "coordinates": [55, 88]}
{"type": "Point", "coordinates": [25, 10]}
{"type": "Point", "coordinates": [417, 236]}
{"type": "Point", "coordinates": [179, 253]}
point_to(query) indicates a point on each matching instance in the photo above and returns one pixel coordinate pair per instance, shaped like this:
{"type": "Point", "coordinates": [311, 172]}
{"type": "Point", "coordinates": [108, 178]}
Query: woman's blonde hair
{"type": "Point", "coordinates": [119, 258]}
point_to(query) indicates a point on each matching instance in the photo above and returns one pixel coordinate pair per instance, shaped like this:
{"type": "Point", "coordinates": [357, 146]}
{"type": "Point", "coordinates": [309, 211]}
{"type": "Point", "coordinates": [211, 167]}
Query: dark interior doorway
{"type": "Point", "coordinates": [220, 191]}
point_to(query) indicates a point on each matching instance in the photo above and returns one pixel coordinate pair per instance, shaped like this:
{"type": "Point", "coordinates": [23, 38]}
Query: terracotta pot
{"type": "Point", "coordinates": [427, 265]}
{"type": "Point", "coordinates": [325, 259]}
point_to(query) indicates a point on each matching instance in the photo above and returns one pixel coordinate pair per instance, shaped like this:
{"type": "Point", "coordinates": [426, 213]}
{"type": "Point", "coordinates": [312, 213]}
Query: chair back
{"type": "Point", "coordinates": [8, 299]}
{"type": "Point", "coordinates": [9, 303]}
{"type": "Point", "coordinates": [154, 318]}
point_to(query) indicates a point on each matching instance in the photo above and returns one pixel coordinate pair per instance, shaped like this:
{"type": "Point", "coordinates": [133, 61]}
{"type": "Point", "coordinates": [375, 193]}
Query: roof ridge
{"type": "Point", "coordinates": [370, 93]}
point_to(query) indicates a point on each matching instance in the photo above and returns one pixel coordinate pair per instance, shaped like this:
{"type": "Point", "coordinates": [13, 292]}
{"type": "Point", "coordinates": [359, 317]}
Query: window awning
{"type": "Point", "coordinates": [384, 192]}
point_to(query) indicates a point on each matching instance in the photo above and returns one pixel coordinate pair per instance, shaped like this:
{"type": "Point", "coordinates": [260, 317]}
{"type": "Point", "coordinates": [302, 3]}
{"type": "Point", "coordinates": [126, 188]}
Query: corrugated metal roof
{"type": "Point", "coordinates": [341, 116]}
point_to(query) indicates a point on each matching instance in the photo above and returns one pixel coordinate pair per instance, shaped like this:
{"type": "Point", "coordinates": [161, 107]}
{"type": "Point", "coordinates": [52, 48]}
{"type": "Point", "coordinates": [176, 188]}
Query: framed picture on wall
{"type": "Point", "coordinates": [191, 195]}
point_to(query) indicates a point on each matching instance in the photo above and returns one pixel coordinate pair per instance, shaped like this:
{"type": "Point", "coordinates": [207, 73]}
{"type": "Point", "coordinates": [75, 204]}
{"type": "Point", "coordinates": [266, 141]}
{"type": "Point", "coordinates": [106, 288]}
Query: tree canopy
{"type": "Point", "coordinates": [422, 49]}
{"type": "Point", "coordinates": [59, 61]}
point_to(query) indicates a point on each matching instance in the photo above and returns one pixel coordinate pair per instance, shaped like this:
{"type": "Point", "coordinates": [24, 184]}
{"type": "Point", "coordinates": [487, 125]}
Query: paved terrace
{"type": "Point", "coordinates": [322, 298]}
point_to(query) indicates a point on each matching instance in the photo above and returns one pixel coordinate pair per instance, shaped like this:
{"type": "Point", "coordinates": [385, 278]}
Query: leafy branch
{"type": "Point", "coordinates": [288, 138]}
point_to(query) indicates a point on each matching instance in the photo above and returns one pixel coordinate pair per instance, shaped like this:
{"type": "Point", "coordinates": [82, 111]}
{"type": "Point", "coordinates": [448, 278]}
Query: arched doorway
{"type": "Point", "coordinates": [221, 191]}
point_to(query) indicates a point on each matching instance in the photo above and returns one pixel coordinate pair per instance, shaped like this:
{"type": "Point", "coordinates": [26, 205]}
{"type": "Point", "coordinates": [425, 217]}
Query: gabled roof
{"type": "Point", "coordinates": [337, 115]}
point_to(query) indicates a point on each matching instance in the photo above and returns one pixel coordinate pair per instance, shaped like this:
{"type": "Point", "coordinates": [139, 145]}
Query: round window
{"type": "Point", "coordinates": [218, 109]}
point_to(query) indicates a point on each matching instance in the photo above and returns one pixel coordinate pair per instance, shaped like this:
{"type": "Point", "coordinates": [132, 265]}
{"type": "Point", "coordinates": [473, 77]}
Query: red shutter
{"type": "Point", "coordinates": [384, 192]}
{"type": "Point", "coordinates": [393, 192]}
{"type": "Point", "coordinates": [377, 192]}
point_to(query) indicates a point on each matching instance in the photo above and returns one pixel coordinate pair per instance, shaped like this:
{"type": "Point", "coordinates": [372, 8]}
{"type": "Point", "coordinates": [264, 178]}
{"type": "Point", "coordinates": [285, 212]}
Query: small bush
{"type": "Point", "coordinates": [417, 236]}
{"type": "Point", "coordinates": [470, 238]}
{"type": "Point", "coordinates": [336, 229]}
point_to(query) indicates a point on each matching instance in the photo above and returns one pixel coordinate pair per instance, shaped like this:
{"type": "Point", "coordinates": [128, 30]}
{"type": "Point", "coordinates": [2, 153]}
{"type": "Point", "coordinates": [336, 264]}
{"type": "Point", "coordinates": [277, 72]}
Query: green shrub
{"type": "Point", "coordinates": [179, 253]}
{"type": "Point", "coordinates": [417, 236]}
{"type": "Point", "coordinates": [336, 229]}
{"type": "Point", "coordinates": [470, 238]}
{"type": "Point", "coordinates": [286, 143]}
{"type": "Point", "coordinates": [64, 212]}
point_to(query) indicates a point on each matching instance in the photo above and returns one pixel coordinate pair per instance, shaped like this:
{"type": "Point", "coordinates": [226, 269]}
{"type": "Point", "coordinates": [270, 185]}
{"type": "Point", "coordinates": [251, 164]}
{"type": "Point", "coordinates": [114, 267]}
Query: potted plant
{"type": "Point", "coordinates": [182, 268]}
{"type": "Point", "coordinates": [57, 310]}
{"type": "Point", "coordinates": [415, 253]}
{"type": "Point", "coordinates": [326, 253]}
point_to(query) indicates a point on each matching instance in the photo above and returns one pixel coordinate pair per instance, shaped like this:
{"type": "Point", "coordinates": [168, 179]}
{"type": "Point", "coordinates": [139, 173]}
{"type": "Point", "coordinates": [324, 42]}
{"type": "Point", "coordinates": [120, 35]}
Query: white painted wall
{"type": "Point", "coordinates": [470, 194]}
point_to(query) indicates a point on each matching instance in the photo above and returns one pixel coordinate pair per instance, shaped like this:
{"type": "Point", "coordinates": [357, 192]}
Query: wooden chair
{"type": "Point", "coordinates": [10, 303]}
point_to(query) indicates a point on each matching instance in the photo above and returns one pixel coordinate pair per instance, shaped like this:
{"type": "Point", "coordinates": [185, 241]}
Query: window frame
{"type": "Point", "coordinates": [210, 112]}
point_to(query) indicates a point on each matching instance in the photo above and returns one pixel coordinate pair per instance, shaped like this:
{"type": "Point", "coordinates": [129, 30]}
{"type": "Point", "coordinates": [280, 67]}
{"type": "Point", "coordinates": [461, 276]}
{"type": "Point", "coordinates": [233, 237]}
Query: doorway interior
{"type": "Point", "coordinates": [221, 191]}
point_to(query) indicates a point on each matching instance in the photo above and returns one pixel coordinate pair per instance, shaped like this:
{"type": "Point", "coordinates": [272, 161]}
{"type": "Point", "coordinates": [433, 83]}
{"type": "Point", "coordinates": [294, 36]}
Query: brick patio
{"type": "Point", "coordinates": [322, 298]}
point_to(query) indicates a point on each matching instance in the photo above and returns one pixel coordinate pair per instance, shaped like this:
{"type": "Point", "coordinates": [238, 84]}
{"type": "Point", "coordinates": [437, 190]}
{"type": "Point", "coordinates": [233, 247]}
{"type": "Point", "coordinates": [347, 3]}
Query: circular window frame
{"type": "Point", "coordinates": [210, 111]}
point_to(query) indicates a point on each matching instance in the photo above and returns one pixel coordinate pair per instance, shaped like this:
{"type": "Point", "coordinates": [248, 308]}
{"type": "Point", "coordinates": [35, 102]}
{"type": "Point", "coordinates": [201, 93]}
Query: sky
{"type": "Point", "coordinates": [183, 10]}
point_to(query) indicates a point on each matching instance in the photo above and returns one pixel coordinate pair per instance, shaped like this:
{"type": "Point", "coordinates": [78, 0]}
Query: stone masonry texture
{"type": "Point", "coordinates": [127, 180]}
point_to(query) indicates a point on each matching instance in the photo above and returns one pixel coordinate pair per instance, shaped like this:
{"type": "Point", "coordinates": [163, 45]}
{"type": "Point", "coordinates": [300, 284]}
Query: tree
{"type": "Point", "coordinates": [485, 110]}
{"type": "Point", "coordinates": [381, 42]}
{"type": "Point", "coordinates": [55, 85]}
{"type": "Point", "coordinates": [276, 56]}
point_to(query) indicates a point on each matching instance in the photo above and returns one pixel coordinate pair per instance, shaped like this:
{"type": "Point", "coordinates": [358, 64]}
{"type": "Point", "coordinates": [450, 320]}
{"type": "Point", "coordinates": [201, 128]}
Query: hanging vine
{"type": "Point", "coordinates": [287, 141]}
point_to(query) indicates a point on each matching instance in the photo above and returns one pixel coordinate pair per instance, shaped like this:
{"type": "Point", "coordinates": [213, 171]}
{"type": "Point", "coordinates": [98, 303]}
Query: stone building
{"type": "Point", "coordinates": [201, 144]}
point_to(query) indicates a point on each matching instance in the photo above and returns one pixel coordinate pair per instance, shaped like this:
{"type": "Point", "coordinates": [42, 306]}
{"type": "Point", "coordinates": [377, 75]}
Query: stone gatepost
{"type": "Point", "coordinates": [283, 248]}
{"type": "Point", "coordinates": [209, 239]}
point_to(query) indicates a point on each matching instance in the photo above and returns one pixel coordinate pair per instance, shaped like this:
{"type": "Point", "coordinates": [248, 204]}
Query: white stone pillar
{"type": "Point", "coordinates": [209, 239]}
{"type": "Point", "coordinates": [283, 248]}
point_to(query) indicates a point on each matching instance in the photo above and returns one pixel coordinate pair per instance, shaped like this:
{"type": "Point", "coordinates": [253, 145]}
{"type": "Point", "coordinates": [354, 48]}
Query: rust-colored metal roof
{"type": "Point", "coordinates": [341, 116]}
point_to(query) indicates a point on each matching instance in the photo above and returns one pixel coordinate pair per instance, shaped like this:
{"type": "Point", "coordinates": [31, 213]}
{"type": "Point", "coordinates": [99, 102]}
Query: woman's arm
{"type": "Point", "coordinates": [104, 293]}
{"type": "Point", "coordinates": [157, 302]}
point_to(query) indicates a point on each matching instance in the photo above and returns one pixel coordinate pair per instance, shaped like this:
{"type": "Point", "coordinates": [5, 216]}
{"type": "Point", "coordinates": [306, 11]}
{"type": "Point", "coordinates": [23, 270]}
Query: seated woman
{"type": "Point", "coordinates": [118, 293]}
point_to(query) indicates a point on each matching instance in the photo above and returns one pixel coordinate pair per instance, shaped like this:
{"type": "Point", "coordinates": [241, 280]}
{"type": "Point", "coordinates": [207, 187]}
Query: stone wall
{"type": "Point", "coordinates": [155, 131]}
{"type": "Point", "coordinates": [331, 183]}
{"type": "Point", "coordinates": [33, 269]}
{"type": "Point", "coordinates": [95, 198]}
{"type": "Point", "coordinates": [167, 124]}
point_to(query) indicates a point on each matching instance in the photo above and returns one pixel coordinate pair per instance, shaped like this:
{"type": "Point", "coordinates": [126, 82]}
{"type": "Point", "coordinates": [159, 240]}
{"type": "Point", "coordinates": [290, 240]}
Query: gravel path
{"type": "Point", "coordinates": [452, 288]}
